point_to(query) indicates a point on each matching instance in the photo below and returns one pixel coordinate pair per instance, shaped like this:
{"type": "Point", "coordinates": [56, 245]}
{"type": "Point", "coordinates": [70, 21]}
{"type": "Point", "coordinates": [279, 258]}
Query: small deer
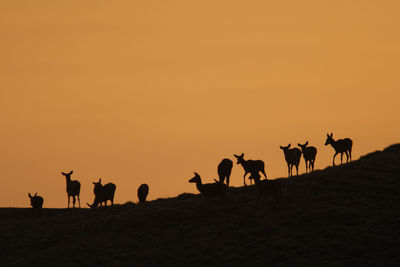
{"type": "Point", "coordinates": [210, 190]}
{"type": "Point", "coordinates": [36, 201]}
{"type": "Point", "coordinates": [224, 170]}
{"type": "Point", "coordinates": [73, 188]}
{"type": "Point", "coordinates": [341, 146]}
{"type": "Point", "coordinates": [267, 187]}
{"type": "Point", "coordinates": [250, 166]}
{"type": "Point", "coordinates": [292, 157]}
{"type": "Point", "coordinates": [309, 153]}
{"type": "Point", "coordinates": [103, 193]}
{"type": "Point", "coordinates": [142, 192]}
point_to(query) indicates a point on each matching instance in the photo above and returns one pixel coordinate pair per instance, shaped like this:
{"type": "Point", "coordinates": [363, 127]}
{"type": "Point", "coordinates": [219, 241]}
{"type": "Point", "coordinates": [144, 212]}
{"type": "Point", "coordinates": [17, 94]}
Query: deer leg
{"type": "Point", "coordinates": [263, 172]}
{"type": "Point", "coordinates": [334, 156]}
{"type": "Point", "coordinates": [347, 156]}
{"type": "Point", "coordinates": [297, 169]}
{"type": "Point", "coordinates": [68, 200]}
{"type": "Point", "coordinates": [227, 181]}
{"type": "Point", "coordinates": [244, 179]}
{"type": "Point", "coordinates": [73, 202]}
{"type": "Point", "coordinates": [341, 158]}
{"type": "Point", "coordinates": [79, 202]}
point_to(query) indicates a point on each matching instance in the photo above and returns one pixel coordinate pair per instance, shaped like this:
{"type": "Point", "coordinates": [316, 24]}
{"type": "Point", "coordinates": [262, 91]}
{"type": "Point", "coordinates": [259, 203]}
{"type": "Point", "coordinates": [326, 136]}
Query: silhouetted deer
{"type": "Point", "coordinates": [210, 190]}
{"type": "Point", "coordinates": [103, 193]}
{"type": "Point", "coordinates": [73, 188]}
{"type": "Point", "coordinates": [142, 192]}
{"type": "Point", "coordinates": [224, 170]}
{"type": "Point", "coordinates": [292, 157]}
{"type": "Point", "coordinates": [36, 201]}
{"type": "Point", "coordinates": [341, 146]}
{"type": "Point", "coordinates": [250, 166]}
{"type": "Point", "coordinates": [309, 153]}
{"type": "Point", "coordinates": [267, 187]}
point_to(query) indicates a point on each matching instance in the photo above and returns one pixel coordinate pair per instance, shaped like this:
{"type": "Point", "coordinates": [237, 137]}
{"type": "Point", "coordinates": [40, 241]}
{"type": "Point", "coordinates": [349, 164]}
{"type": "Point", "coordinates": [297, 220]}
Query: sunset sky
{"type": "Point", "coordinates": [151, 91]}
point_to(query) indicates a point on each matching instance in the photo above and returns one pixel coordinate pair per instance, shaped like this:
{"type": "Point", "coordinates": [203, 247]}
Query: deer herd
{"type": "Point", "coordinates": [219, 188]}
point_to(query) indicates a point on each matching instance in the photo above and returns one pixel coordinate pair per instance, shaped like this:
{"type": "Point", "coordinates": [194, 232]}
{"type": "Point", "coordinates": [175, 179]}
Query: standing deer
{"type": "Point", "coordinates": [250, 166]}
{"type": "Point", "coordinates": [341, 146]}
{"type": "Point", "coordinates": [142, 192]}
{"type": "Point", "coordinates": [309, 153]}
{"type": "Point", "coordinates": [292, 157]}
{"type": "Point", "coordinates": [224, 170]}
{"type": "Point", "coordinates": [102, 193]}
{"type": "Point", "coordinates": [210, 190]}
{"type": "Point", "coordinates": [36, 201]}
{"type": "Point", "coordinates": [73, 188]}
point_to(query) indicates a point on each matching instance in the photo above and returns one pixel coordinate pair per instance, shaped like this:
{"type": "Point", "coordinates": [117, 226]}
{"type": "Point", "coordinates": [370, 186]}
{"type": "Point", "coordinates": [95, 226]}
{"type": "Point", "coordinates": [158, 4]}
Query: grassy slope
{"type": "Point", "coordinates": [347, 215]}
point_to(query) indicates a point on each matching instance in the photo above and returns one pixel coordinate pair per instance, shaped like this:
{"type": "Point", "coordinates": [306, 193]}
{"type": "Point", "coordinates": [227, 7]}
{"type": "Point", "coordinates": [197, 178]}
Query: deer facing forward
{"type": "Point", "coordinates": [341, 146]}
{"type": "Point", "coordinates": [292, 157]}
{"type": "Point", "coordinates": [73, 188]}
{"type": "Point", "coordinates": [309, 154]}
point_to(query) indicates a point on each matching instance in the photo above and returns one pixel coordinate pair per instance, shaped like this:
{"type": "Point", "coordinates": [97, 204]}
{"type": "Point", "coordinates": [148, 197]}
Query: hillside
{"type": "Point", "coordinates": [340, 216]}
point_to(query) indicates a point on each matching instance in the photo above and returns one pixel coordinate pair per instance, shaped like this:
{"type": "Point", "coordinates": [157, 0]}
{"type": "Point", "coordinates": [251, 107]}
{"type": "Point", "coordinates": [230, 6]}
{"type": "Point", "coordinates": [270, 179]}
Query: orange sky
{"type": "Point", "coordinates": [152, 91]}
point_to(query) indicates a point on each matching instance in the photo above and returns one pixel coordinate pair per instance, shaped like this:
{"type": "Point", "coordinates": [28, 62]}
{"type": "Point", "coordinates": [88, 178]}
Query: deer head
{"type": "Point", "coordinates": [285, 148]}
{"type": "Point", "coordinates": [329, 139]}
{"type": "Point", "coordinates": [195, 178]}
{"type": "Point", "coordinates": [240, 158]}
{"type": "Point", "coordinates": [303, 146]}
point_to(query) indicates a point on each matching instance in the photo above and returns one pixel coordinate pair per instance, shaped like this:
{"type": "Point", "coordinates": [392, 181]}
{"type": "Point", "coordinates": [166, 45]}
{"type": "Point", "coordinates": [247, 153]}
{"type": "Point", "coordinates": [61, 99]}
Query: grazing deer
{"type": "Point", "coordinates": [292, 157]}
{"type": "Point", "coordinates": [36, 201]}
{"type": "Point", "coordinates": [341, 146]}
{"type": "Point", "coordinates": [250, 166]}
{"type": "Point", "coordinates": [210, 190]}
{"type": "Point", "coordinates": [224, 170]}
{"type": "Point", "coordinates": [103, 193]}
{"type": "Point", "coordinates": [309, 153]}
{"type": "Point", "coordinates": [73, 188]}
{"type": "Point", "coordinates": [267, 187]}
{"type": "Point", "coordinates": [142, 192]}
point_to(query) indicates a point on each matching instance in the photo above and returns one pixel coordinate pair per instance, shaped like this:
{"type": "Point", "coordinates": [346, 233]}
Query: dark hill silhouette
{"type": "Point", "coordinates": [340, 216]}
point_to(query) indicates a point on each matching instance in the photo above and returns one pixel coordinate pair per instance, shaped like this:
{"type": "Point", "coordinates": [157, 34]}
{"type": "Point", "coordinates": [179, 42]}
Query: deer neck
{"type": "Point", "coordinates": [333, 143]}
{"type": "Point", "coordinates": [199, 185]}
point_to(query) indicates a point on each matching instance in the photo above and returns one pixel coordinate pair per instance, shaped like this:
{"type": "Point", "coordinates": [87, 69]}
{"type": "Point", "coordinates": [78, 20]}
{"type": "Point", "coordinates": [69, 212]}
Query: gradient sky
{"type": "Point", "coordinates": [150, 91]}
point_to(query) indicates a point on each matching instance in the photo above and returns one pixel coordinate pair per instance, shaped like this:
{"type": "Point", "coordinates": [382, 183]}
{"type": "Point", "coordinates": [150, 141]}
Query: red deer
{"type": "Point", "coordinates": [224, 170]}
{"type": "Point", "coordinates": [210, 190]}
{"type": "Point", "coordinates": [250, 166]}
{"type": "Point", "coordinates": [267, 187]}
{"type": "Point", "coordinates": [309, 153]}
{"type": "Point", "coordinates": [103, 193]}
{"type": "Point", "coordinates": [142, 192]}
{"type": "Point", "coordinates": [73, 188]}
{"type": "Point", "coordinates": [341, 146]}
{"type": "Point", "coordinates": [292, 157]}
{"type": "Point", "coordinates": [36, 201]}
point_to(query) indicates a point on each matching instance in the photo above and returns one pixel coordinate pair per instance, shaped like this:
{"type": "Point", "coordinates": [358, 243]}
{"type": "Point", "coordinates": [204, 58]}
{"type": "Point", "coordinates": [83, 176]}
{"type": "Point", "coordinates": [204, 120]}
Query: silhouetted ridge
{"type": "Point", "coordinates": [340, 216]}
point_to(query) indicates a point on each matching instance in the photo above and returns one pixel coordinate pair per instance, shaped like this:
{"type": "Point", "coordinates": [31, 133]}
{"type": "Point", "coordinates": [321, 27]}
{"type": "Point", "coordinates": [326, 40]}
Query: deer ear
{"type": "Point", "coordinates": [236, 156]}
{"type": "Point", "coordinates": [306, 143]}
{"type": "Point", "coordinates": [29, 195]}
{"type": "Point", "coordinates": [35, 194]}
{"type": "Point", "coordinates": [281, 147]}
{"type": "Point", "coordinates": [288, 146]}
{"type": "Point", "coordinates": [63, 173]}
{"type": "Point", "coordinates": [242, 155]}
{"type": "Point", "coordinates": [331, 135]}
{"type": "Point", "coordinates": [71, 172]}
{"type": "Point", "coordinates": [298, 144]}
{"type": "Point", "coordinates": [195, 173]}
{"type": "Point", "coordinates": [94, 183]}
{"type": "Point", "coordinates": [99, 180]}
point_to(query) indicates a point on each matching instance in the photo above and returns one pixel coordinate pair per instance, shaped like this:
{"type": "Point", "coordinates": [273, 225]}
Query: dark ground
{"type": "Point", "coordinates": [339, 216]}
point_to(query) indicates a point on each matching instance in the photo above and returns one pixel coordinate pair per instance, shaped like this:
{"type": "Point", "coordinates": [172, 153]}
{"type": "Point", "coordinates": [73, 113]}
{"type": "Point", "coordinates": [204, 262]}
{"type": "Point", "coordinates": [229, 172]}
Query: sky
{"type": "Point", "coordinates": [150, 91]}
